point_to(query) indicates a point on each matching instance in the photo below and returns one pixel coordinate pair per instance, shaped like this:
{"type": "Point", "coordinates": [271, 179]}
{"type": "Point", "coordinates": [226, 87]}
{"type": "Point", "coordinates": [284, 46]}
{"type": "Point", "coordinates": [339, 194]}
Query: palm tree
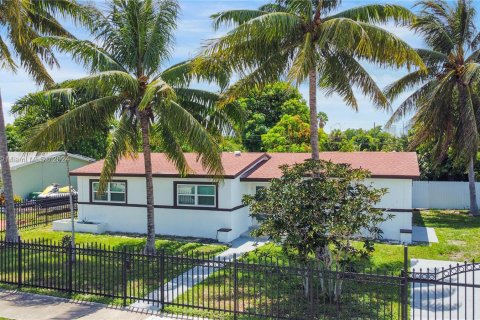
{"type": "Point", "coordinates": [446, 102]}
{"type": "Point", "coordinates": [302, 39]}
{"type": "Point", "coordinates": [135, 39]}
{"type": "Point", "coordinates": [23, 21]}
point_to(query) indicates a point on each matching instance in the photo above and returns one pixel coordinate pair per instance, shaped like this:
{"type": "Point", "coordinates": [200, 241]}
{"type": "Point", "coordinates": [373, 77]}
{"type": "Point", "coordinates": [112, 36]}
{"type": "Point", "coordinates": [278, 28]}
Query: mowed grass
{"type": "Point", "coordinates": [458, 241]}
{"type": "Point", "coordinates": [98, 272]}
{"type": "Point", "coordinates": [457, 232]}
{"type": "Point", "coordinates": [131, 242]}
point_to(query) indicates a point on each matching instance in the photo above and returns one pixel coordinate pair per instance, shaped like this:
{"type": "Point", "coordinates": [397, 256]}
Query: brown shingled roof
{"type": "Point", "coordinates": [232, 164]}
{"type": "Point", "coordinates": [380, 164]}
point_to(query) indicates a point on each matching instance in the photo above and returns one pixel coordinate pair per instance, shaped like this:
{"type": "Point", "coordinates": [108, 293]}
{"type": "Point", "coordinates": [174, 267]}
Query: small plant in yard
{"type": "Point", "coordinates": [316, 209]}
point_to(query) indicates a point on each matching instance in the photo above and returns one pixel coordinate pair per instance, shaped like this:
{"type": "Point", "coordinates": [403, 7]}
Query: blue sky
{"type": "Point", "coordinates": [195, 26]}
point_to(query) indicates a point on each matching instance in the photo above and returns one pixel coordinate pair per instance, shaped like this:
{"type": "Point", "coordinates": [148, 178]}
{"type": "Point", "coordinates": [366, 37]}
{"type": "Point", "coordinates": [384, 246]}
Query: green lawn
{"type": "Point", "coordinates": [457, 233]}
{"type": "Point", "coordinates": [458, 237]}
{"type": "Point", "coordinates": [170, 245]}
{"type": "Point", "coordinates": [100, 273]}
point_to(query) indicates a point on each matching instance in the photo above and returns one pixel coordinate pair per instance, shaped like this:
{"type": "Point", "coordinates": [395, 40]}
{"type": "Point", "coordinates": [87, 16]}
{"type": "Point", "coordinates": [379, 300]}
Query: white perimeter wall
{"type": "Point", "coordinates": [442, 194]}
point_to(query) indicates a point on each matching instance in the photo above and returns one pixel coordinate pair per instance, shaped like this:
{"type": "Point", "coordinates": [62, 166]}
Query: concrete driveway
{"type": "Point", "coordinates": [446, 299]}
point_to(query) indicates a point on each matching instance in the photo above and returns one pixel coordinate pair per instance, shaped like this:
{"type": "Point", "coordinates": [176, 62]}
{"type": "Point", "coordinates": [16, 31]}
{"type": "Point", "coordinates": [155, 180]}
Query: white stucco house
{"type": "Point", "coordinates": [197, 206]}
{"type": "Point", "coordinates": [33, 171]}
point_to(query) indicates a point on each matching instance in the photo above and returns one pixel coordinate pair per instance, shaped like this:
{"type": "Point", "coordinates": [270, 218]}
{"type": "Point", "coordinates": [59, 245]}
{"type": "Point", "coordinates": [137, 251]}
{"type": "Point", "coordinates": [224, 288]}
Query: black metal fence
{"type": "Point", "coordinates": [34, 213]}
{"type": "Point", "coordinates": [190, 283]}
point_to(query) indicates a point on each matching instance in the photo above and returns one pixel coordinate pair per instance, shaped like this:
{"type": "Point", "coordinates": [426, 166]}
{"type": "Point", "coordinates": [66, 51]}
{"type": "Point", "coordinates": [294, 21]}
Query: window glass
{"type": "Point", "coordinates": [206, 201]}
{"type": "Point", "coordinates": [196, 195]}
{"type": "Point", "coordinates": [186, 189]}
{"type": "Point", "coordinates": [206, 190]}
{"type": "Point", "coordinates": [100, 196]}
{"type": "Point", "coordinates": [114, 192]}
{"type": "Point", "coordinates": [117, 197]}
{"type": "Point", "coordinates": [186, 200]}
{"type": "Point", "coordinates": [117, 186]}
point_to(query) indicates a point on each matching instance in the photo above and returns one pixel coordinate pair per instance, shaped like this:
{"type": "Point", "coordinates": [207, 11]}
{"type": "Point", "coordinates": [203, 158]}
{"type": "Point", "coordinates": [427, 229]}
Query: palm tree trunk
{"type": "Point", "coordinates": [11, 223]}
{"type": "Point", "coordinates": [471, 187]}
{"type": "Point", "coordinates": [147, 154]}
{"type": "Point", "coordinates": [312, 83]}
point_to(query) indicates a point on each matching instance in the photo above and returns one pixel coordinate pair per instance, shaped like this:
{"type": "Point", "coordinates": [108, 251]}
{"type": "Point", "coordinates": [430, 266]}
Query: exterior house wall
{"type": "Point", "coordinates": [197, 222]}
{"type": "Point", "coordinates": [37, 176]}
{"type": "Point", "coordinates": [230, 214]}
{"type": "Point", "coordinates": [398, 200]}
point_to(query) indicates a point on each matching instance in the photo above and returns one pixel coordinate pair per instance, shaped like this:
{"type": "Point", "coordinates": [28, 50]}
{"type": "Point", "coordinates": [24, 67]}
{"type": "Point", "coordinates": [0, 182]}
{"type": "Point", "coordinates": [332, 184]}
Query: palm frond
{"type": "Point", "coordinates": [124, 143]}
{"type": "Point", "coordinates": [432, 58]}
{"type": "Point", "coordinates": [83, 51]}
{"type": "Point", "coordinates": [106, 82]}
{"type": "Point", "coordinates": [406, 83]}
{"type": "Point", "coordinates": [352, 73]}
{"type": "Point", "coordinates": [368, 42]}
{"type": "Point", "coordinates": [156, 91]}
{"type": "Point", "coordinates": [233, 18]}
{"type": "Point", "coordinates": [182, 124]}
{"type": "Point", "coordinates": [91, 115]}
{"type": "Point", "coordinates": [410, 103]}
{"type": "Point", "coordinates": [51, 101]}
{"type": "Point", "coordinates": [471, 74]}
{"type": "Point", "coordinates": [304, 61]}
{"type": "Point", "coordinates": [171, 145]}
{"type": "Point", "coordinates": [378, 13]}
{"type": "Point", "coordinates": [6, 60]}
{"type": "Point", "coordinates": [160, 36]}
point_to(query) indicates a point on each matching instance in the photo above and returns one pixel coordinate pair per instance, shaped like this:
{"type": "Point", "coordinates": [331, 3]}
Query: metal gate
{"type": "Point", "coordinates": [450, 292]}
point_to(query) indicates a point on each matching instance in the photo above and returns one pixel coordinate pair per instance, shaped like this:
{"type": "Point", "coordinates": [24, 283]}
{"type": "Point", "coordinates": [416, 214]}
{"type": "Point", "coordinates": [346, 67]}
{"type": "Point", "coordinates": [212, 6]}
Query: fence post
{"type": "Point", "coordinates": [70, 268]}
{"type": "Point", "coordinates": [162, 279]}
{"type": "Point", "coordinates": [404, 284]}
{"type": "Point", "coordinates": [37, 207]}
{"type": "Point", "coordinates": [124, 276]}
{"type": "Point", "coordinates": [310, 288]}
{"type": "Point", "coordinates": [20, 262]}
{"type": "Point", "coordinates": [235, 287]}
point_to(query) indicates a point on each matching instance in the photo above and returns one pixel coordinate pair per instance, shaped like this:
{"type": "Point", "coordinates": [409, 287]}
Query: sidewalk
{"type": "Point", "coordinates": [26, 306]}
{"type": "Point", "coordinates": [187, 280]}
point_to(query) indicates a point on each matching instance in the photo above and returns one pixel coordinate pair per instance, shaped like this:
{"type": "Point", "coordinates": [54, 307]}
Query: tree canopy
{"type": "Point", "coordinates": [316, 209]}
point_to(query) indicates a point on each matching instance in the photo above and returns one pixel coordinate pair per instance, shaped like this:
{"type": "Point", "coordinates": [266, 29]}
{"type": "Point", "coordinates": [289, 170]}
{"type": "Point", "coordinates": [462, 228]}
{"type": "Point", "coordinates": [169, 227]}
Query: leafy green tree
{"type": "Point", "coordinates": [364, 140]}
{"type": "Point", "coordinates": [14, 138]}
{"type": "Point", "coordinates": [305, 40]}
{"type": "Point", "coordinates": [290, 134]}
{"type": "Point", "coordinates": [22, 22]}
{"type": "Point", "coordinates": [133, 39]}
{"type": "Point", "coordinates": [255, 127]}
{"type": "Point", "coordinates": [445, 101]}
{"type": "Point", "coordinates": [265, 107]}
{"type": "Point", "coordinates": [317, 208]}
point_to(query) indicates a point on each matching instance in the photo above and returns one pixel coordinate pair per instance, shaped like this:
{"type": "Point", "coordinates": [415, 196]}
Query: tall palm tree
{"type": "Point", "coordinates": [23, 21]}
{"type": "Point", "coordinates": [134, 39]}
{"type": "Point", "coordinates": [305, 40]}
{"type": "Point", "coordinates": [446, 102]}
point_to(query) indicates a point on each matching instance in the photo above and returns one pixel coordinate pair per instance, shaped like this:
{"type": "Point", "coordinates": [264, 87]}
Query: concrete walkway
{"type": "Point", "coordinates": [424, 235]}
{"type": "Point", "coordinates": [184, 282]}
{"type": "Point", "coordinates": [444, 300]}
{"type": "Point", "coordinates": [27, 306]}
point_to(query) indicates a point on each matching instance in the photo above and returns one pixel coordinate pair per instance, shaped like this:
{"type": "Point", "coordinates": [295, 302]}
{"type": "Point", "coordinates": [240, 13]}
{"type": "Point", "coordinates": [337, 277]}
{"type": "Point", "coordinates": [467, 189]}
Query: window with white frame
{"type": "Point", "coordinates": [196, 195]}
{"type": "Point", "coordinates": [116, 191]}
